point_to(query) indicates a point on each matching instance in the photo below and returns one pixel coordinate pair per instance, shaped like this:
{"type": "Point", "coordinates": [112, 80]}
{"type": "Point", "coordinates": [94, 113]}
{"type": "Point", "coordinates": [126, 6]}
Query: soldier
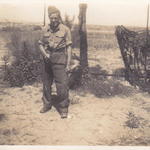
{"type": "Point", "coordinates": [55, 46]}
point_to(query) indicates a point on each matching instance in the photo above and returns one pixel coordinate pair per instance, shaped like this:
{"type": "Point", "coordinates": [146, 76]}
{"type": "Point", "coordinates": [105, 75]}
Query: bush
{"type": "Point", "coordinates": [24, 70]}
{"type": "Point", "coordinates": [26, 67]}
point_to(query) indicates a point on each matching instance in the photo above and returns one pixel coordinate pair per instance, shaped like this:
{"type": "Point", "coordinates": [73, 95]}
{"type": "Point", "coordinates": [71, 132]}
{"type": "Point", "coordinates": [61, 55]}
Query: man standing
{"type": "Point", "coordinates": [55, 46]}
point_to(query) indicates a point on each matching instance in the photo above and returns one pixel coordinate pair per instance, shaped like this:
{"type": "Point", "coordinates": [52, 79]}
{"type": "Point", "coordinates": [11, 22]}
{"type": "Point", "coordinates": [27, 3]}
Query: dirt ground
{"type": "Point", "coordinates": [121, 119]}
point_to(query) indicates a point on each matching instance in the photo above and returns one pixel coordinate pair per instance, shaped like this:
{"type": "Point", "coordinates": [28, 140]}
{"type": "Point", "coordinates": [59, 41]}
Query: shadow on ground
{"type": "Point", "coordinates": [3, 84]}
{"type": "Point", "coordinates": [102, 85]}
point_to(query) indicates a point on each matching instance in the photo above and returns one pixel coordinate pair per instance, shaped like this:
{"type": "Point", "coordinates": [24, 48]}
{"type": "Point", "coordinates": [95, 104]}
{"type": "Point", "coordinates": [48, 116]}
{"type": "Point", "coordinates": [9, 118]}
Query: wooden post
{"type": "Point", "coordinates": [147, 23]}
{"type": "Point", "coordinates": [44, 14]}
{"type": "Point", "coordinates": [83, 36]}
{"type": "Point", "coordinates": [147, 44]}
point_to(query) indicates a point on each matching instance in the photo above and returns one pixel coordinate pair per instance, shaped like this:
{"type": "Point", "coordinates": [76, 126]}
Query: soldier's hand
{"type": "Point", "coordinates": [47, 56]}
{"type": "Point", "coordinates": [68, 68]}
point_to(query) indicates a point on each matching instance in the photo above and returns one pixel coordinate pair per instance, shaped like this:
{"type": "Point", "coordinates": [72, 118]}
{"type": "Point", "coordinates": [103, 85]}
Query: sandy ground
{"type": "Point", "coordinates": [121, 119]}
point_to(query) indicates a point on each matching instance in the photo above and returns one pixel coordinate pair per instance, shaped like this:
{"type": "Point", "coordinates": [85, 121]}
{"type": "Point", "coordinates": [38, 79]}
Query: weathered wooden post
{"type": "Point", "coordinates": [44, 21]}
{"type": "Point", "coordinates": [83, 36]}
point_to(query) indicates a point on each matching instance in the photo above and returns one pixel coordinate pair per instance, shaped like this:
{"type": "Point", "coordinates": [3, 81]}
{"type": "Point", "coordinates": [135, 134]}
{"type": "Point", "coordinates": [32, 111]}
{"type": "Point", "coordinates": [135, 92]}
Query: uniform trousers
{"type": "Point", "coordinates": [55, 72]}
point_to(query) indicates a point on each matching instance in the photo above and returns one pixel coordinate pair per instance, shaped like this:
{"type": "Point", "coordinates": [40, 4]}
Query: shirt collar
{"type": "Point", "coordinates": [55, 30]}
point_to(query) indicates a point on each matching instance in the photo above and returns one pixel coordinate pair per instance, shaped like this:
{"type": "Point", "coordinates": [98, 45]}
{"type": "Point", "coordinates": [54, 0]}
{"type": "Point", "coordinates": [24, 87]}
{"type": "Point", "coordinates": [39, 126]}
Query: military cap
{"type": "Point", "coordinates": [53, 9]}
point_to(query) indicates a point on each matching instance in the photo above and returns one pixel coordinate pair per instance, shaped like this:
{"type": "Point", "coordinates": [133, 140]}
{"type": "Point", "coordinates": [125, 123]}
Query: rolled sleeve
{"type": "Point", "coordinates": [44, 37]}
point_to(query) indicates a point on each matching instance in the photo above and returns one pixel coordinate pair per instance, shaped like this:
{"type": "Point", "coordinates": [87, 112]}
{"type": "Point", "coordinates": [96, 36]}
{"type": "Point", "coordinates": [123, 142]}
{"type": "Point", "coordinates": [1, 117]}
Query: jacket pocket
{"type": "Point", "coordinates": [59, 39]}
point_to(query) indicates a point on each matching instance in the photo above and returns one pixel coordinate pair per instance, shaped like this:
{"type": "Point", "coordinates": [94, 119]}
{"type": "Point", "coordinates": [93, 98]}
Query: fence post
{"type": "Point", "coordinates": [44, 21]}
{"type": "Point", "coordinates": [83, 36]}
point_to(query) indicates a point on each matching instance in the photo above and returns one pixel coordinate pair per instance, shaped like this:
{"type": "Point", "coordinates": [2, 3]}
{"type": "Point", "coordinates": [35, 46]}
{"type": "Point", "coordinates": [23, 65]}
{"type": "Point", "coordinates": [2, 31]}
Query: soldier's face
{"type": "Point", "coordinates": [54, 19]}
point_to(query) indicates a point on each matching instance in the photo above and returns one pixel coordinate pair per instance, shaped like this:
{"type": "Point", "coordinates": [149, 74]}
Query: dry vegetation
{"type": "Point", "coordinates": [104, 111]}
{"type": "Point", "coordinates": [25, 58]}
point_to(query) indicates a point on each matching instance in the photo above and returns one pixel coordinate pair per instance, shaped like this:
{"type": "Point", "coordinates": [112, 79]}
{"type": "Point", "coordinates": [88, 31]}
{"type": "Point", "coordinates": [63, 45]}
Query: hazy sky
{"type": "Point", "coordinates": [103, 12]}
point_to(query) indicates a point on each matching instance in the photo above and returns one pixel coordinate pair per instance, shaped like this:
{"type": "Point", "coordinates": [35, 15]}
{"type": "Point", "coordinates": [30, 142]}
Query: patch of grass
{"type": "Point", "coordinates": [74, 99]}
{"type": "Point", "coordinates": [131, 141]}
{"type": "Point", "coordinates": [134, 121]}
{"type": "Point", "coordinates": [2, 117]}
{"type": "Point", "coordinates": [96, 38]}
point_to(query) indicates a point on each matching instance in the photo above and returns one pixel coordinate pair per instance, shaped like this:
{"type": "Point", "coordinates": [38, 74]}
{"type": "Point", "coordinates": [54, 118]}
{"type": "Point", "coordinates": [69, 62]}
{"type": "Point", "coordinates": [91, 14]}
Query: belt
{"type": "Point", "coordinates": [57, 50]}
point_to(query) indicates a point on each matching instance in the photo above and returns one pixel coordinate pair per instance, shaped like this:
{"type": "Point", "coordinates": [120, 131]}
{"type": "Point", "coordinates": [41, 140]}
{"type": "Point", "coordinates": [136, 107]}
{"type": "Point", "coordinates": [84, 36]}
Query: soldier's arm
{"type": "Point", "coordinates": [43, 52]}
{"type": "Point", "coordinates": [69, 54]}
{"type": "Point", "coordinates": [41, 43]}
{"type": "Point", "coordinates": [69, 49]}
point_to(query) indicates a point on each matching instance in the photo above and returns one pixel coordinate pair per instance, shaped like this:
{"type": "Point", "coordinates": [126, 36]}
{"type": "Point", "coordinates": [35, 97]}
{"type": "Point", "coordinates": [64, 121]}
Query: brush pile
{"type": "Point", "coordinates": [135, 51]}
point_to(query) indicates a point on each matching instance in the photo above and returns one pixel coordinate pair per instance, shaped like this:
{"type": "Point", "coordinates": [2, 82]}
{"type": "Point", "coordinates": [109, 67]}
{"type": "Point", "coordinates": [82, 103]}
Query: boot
{"type": "Point", "coordinates": [63, 112]}
{"type": "Point", "coordinates": [45, 109]}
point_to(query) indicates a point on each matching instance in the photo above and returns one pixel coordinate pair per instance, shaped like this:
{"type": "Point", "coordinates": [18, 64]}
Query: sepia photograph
{"type": "Point", "coordinates": [74, 73]}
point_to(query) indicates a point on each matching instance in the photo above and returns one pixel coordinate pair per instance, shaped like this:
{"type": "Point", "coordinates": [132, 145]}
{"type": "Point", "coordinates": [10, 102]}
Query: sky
{"type": "Point", "coordinates": [99, 12]}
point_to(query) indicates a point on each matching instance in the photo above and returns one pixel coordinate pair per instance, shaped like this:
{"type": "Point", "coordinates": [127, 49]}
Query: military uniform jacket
{"type": "Point", "coordinates": [55, 43]}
